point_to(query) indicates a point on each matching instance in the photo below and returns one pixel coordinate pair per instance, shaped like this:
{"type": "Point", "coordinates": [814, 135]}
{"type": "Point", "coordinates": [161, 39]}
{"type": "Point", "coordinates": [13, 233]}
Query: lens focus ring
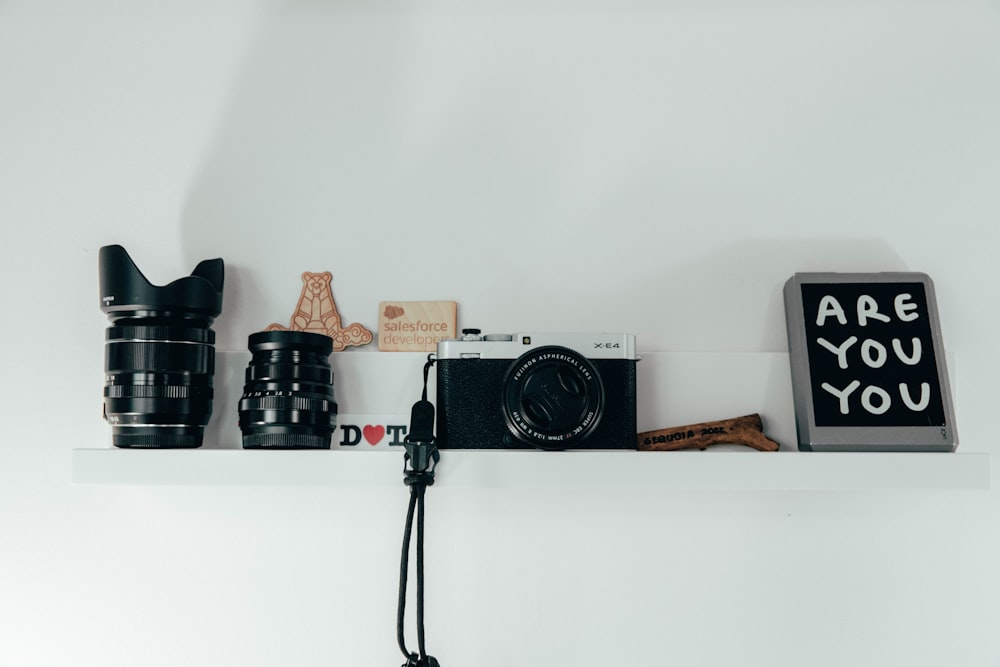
{"type": "Point", "coordinates": [159, 356]}
{"type": "Point", "coordinates": [290, 402]}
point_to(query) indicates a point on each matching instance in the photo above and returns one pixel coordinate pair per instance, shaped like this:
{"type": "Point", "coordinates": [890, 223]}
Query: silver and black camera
{"type": "Point", "coordinates": [548, 391]}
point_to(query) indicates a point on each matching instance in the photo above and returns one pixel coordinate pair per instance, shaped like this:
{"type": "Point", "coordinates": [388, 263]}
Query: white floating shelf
{"type": "Point", "coordinates": [674, 388]}
{"type": "Point", "coordinates": [688, 470]}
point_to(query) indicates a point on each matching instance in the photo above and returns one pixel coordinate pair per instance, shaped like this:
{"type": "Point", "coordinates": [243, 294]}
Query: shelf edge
{"type": "Point", "coordinates": [688, 470]}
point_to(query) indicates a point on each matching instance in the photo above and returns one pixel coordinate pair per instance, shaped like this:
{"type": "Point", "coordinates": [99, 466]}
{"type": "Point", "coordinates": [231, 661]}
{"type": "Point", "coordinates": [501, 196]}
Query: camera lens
{"type": "Point", "coordinates": [159, 359]}
{"type": "Point", "coordinates": [553, 398]}
{"type": "Point", "coordinates": [287, 400]}
{"type": "Point", "coordinates": [158, 389]}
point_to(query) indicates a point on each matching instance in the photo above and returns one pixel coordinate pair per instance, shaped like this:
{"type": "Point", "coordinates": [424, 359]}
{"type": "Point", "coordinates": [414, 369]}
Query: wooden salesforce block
{"type": "Point", "coordinates": [415, 326]}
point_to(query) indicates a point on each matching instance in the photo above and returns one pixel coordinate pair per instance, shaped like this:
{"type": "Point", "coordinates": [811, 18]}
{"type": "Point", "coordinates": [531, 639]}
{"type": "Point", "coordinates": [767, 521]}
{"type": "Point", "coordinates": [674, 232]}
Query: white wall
{"type": "Point", "coordinates": [654, 167]}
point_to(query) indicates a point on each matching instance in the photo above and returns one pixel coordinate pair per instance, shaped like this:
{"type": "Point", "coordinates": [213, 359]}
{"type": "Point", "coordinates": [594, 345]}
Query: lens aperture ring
{"type": "Point", "coordinates": [286, 402]}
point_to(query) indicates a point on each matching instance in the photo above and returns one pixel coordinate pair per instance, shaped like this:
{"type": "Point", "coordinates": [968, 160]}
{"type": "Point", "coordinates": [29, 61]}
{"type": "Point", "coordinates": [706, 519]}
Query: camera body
{"type": "Point", "coordinates": [537, 390]}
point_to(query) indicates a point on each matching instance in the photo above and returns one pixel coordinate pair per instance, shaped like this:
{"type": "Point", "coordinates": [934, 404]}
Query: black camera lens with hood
{"type": "Point", "coordinates": [159, 352]}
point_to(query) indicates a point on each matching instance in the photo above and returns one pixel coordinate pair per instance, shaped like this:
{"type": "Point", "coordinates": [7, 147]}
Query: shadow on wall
{"type": "Point", "coordinates": [411, 161]}
{"type": "Point", "coordinates": [294, 171]}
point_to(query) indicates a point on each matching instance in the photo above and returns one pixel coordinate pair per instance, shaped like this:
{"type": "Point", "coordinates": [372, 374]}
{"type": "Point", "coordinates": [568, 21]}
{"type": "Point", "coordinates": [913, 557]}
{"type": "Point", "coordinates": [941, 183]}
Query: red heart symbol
{"type": "Point", "coordinates": [374, 434]}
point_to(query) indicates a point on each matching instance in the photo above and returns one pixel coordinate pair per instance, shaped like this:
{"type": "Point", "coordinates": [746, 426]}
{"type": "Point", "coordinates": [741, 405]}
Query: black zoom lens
{"type": "Point", "coordinates": [159, 356]}
{"type": "Point", "coordinates": [287, 400]}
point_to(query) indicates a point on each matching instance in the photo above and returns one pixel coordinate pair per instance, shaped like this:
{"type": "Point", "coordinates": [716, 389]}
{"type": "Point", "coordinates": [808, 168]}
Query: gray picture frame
{"type": "Point", "coordinates": [840, 434]}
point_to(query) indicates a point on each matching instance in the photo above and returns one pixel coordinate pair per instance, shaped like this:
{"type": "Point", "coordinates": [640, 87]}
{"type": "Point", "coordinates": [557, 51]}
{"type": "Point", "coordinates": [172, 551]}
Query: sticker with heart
{"type": "Point", "coordinates": [374, 434]}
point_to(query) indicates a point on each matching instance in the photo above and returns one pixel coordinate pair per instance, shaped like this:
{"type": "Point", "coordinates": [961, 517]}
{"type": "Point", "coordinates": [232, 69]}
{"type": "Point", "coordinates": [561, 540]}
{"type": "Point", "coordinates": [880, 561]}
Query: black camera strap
{"type": "Point", "coordinates": [419, 463]}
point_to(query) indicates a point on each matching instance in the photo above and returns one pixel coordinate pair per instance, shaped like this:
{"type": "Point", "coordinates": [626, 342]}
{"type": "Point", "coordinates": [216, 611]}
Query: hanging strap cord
{"type": "Point", "coordinates": [418, 473]}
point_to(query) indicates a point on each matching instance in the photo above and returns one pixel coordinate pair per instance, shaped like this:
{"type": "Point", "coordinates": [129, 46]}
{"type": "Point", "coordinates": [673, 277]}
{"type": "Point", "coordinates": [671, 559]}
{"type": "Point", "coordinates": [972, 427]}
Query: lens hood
{"type": "Point", "coordinates": [125, 288]}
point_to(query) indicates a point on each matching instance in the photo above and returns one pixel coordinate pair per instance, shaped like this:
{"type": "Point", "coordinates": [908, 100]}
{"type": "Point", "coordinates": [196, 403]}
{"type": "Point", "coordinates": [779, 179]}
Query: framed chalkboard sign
{"type": "Point", "coordinates": [867, 361]}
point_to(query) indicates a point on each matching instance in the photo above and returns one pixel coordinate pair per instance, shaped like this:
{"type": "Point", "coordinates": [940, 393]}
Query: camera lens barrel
{"type": "Point", "coordinates": [288, 400]}
{"type": "Point", "coordinates": [158, 384]}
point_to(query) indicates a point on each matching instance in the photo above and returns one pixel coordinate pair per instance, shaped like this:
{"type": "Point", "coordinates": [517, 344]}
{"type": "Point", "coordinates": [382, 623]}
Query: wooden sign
{"type": "Point", "coordinates": [415, 326]}
{"type": "Point", "coordinates": [747, 430]}
{"type": "Point", "coordinates": [317, 312]}
{"type": "Point", "coordinates": [868, 364]}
